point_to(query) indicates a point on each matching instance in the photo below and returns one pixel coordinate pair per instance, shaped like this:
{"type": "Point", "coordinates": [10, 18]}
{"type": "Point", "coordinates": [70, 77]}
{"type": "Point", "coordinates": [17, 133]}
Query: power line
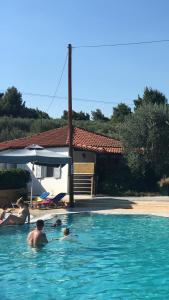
{"type": "Point", "coordinates": [122, 44]}
{"type": "Point", "coordinates": [74, 98]}
{"type": "Point", "coordinates": [94, 100]}
{"type": "Point", "coordinates": [58, 84]}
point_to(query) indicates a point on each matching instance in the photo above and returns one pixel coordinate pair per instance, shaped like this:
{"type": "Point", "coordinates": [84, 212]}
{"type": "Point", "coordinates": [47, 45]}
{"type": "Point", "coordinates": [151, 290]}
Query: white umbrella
{"type": "Point", "coordinates": [34, 154]}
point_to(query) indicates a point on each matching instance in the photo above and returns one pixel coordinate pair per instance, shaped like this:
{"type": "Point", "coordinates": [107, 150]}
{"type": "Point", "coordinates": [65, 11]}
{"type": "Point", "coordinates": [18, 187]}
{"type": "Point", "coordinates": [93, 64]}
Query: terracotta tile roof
{"type": "Point", "coordinates": [82, 139]}
{"type": "Point", "coordinates": [91, 141]}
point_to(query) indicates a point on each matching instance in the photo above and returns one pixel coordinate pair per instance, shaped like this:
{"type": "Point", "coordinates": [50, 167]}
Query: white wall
{"type": "Point", "coordinates": [49, 184]}
{"type": "Point", "coordinates": [55, 186]}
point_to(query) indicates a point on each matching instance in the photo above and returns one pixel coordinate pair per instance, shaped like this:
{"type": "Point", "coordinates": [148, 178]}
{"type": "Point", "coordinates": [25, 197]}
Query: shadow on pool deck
{"type": "Point", "coordinates": [103, 203]}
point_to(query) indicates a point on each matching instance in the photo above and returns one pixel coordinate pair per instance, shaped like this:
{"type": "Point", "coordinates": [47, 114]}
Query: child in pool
{"type": "Point", "coordinates": [66, 236]}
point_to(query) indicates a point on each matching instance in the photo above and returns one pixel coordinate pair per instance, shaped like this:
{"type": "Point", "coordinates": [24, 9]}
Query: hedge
{"type": "Point", "coordinates": [14, 179]}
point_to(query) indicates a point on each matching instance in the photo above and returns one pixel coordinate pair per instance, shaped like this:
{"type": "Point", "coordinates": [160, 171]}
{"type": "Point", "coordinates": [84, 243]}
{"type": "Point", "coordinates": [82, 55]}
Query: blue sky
{"type": "Point", "coordinates": [34, 36]}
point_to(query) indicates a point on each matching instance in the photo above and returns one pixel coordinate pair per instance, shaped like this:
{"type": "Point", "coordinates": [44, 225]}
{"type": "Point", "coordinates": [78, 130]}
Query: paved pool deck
{"type": "Point", "coordinates": [156, 205]}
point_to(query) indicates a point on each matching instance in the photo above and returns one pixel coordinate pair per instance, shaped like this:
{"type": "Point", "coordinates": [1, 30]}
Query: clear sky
{"type": "Point", "coordinates": [34, 35]}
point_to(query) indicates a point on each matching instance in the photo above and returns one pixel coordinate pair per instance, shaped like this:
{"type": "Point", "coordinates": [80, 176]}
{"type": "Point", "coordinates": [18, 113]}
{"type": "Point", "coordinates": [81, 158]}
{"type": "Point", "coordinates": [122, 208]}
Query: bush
{"type": "Point", "coordinates": [14, 179]}
{"type": "Point", "coordinates": [164, 186]}
{"type": "Point", "coordinates": [164, 182]}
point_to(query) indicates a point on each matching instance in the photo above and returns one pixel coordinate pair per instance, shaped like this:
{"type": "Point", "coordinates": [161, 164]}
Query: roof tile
{"type": "Point", "coordinates": [82, 139]}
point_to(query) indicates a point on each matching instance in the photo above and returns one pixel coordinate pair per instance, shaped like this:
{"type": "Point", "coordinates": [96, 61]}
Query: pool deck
{"type": "Point", "coordinates": [157, 205]}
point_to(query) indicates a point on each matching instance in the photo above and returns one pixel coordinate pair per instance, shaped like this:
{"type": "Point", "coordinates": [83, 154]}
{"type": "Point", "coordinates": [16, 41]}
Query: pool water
{"type": "Point", "coordinates": [111, 257]}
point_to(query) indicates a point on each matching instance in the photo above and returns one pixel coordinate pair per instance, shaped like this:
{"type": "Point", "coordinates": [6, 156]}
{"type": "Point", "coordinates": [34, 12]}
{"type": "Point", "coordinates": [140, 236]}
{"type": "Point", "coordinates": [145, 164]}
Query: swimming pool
{"type": "Point", "coordinates": [112, 257]}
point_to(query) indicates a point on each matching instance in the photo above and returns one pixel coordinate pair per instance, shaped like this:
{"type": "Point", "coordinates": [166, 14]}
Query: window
{"type": "Point", "coordinates": [7, 166]}
{"type": "Point", "coordinates": [48, 171]}
{"type": "Point", "coordinates": [11, 166]}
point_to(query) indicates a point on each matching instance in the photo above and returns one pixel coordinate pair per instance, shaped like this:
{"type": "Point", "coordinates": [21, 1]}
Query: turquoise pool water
{"type": "Point", "coordinates": [112, 257]}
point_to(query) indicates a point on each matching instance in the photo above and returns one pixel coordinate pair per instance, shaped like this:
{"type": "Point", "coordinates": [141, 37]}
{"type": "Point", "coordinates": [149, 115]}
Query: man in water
{"type": "Point", "coordinates": [37, 238]}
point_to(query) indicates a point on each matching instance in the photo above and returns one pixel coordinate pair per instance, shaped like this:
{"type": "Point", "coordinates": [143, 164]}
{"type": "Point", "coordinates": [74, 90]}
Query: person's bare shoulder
{"type": "Point", "coordinates": [30, 237]}
{"type": "Point", "coordinates": [29, 234]}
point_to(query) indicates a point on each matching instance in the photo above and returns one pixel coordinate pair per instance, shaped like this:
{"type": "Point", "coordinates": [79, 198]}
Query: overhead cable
{"type": "Point", "coordinates": [58, 84]}
{"type": "Point", "coordinates": [122, 44]}
{"type": "Point", "coordinates": [74, 98]}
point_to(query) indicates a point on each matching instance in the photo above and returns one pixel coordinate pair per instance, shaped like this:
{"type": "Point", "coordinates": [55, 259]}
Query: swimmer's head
{"type": "Point", "coordinates": [40, 224]}
{"type": "Point", "coordinates": [58, 222]}
{"type": "Point", "coordinates": [66, 231]}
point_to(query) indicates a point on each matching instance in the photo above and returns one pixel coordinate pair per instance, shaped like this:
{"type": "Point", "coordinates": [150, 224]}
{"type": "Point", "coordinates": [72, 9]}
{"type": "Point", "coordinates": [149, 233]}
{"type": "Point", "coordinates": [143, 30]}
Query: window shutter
{"type": "Point", "coordinates": [3, 165]}
{"type": "Point", "coordinates": [38, 171]}
{"type": "Point", "coordinates": [57, 173]}
{"type": "Point", "coordinates": [41, 171]}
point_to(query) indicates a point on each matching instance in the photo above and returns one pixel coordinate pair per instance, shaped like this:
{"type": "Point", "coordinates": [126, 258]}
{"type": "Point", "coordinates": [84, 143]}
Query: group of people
{"type": "Point", "coordinates": [36, 237]}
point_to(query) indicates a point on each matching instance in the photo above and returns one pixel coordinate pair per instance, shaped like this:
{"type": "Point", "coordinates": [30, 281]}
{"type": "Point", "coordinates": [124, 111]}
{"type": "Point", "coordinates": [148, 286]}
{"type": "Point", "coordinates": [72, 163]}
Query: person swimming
{"type": "Point", "coordinates": [66, 236]}
{"type": "Point", "coordinates": [20, 217]}
{"type": "Point", "coordinates": [57, 223]}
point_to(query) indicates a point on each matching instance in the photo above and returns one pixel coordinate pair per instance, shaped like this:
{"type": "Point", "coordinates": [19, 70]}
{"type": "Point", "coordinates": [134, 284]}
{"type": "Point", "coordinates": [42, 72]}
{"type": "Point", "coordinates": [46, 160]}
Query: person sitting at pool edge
{"type": "Point", "coordinates": [21, 216]}
{"type": "Point", "coordinates": [37, 238]}
{"type": "Point", "coordinates": [3, 213]}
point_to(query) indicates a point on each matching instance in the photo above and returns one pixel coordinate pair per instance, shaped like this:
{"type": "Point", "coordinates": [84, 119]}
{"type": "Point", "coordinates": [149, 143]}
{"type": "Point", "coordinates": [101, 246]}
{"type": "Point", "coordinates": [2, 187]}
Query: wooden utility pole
{"type": "Point", "coordinates": [70, 127]}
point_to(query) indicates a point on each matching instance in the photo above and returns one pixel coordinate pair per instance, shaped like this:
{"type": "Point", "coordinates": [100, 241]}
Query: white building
{"type": "Point", "coordinates": [93, 154]}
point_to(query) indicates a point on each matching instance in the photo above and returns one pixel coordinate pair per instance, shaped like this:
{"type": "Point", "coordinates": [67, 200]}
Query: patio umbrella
{"type": "Point", "coordinates": [34, 154]}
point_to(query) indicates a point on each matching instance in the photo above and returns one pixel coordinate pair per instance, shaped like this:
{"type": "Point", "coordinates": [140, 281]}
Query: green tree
{"type": "Point", "coordinates": [11, 103]}
{"type": "Point", "coordinates": [65, 115]}
{"type": "Point", "coordinates": [98, 115]}
{"type": "Point", "coordinates": [34, 113]}
{"type": "Point", "coordinates": [83, 116]}
{"type": "Point", "coordinates": [120, 112]}
{"type": "Point", "coordinates": [146, 141]}
{"type": "Point", "coordinates": [150, 96]}
{"type": "Point", "coordinates": [76, 115]}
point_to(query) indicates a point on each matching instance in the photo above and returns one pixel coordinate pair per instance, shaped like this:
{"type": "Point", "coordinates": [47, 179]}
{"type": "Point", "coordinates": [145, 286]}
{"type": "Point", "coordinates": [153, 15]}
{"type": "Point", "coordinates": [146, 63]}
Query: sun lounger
{"type": "Point", "coordinates": [43, 196]}
{"type": "Point", "coordinates": [50, 202]}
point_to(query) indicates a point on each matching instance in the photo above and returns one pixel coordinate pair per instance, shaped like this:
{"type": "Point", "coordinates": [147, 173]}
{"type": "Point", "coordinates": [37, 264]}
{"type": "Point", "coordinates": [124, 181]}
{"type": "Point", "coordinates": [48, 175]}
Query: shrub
{"type": "Point", "coordinates": [164, 186]}
{"type": "Point", "coordinates": [14, 179]}
{"type": "Point", "coordinates": [164, 182]}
